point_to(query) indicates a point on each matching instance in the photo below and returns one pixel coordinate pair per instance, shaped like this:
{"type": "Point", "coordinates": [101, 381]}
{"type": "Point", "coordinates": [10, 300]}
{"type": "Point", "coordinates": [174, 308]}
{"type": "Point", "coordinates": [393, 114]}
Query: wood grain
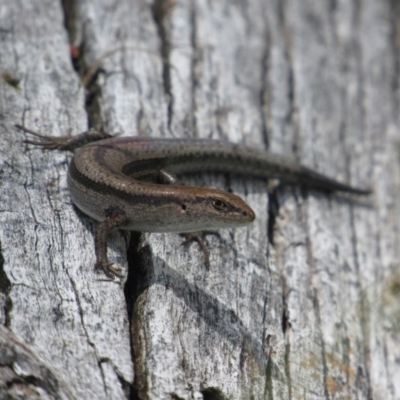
{"type": "Point", "coordinates": [302, 304]}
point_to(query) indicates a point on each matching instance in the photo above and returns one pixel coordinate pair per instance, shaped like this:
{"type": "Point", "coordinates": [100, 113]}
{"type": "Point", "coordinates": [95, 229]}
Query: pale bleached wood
{"type": "Point", "coordinates": [310, 315]}
{"type": "Point", "coordinates": [55, 304]}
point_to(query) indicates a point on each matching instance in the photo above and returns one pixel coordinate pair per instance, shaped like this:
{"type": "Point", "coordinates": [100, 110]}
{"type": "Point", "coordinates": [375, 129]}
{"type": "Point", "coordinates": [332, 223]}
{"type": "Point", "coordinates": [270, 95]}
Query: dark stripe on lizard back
{"type": "Point", "coordinates": [104, 189]}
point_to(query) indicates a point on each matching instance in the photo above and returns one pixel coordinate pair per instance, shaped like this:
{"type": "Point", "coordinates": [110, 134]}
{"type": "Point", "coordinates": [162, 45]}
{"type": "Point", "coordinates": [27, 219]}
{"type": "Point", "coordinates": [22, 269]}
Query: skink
{"type": "Point", "coordinates": [115, 180]}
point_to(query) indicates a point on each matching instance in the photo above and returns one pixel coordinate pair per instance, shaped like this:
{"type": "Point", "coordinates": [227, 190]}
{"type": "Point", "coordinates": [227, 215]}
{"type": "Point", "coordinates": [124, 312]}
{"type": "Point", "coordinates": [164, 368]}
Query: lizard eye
{"type": "Point", "coordinates": [219, 205]}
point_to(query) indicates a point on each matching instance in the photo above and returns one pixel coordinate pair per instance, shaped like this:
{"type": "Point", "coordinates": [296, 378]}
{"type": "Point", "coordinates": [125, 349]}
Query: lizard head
{"type": "Point", "coordinates": [205, 208]}
{"type": "Point", "coordinates": [187, 209]}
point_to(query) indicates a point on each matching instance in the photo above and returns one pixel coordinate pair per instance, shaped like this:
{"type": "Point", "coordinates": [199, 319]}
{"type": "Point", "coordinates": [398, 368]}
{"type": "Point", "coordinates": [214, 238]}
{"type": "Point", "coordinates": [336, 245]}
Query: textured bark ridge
{"type": "Point", "coordinates": [302, 304]}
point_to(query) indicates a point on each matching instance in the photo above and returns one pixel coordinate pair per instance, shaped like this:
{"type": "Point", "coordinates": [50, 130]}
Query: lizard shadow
{"type": "Point", "coordinates": [145, 270]}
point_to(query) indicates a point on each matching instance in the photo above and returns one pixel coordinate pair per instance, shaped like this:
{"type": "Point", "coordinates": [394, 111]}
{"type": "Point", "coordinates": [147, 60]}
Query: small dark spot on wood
{"type": "Point", "coordinates": [11, 80]}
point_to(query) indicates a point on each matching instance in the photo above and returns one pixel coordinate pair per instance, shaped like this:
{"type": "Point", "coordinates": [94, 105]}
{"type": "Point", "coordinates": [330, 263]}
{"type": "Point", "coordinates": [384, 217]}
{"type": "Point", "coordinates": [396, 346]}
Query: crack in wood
{"type": "Point", "coordinates": [161, 10]}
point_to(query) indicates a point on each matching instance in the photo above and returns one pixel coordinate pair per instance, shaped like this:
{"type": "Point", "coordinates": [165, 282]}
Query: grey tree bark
{"type": "Point", "coordinates": [303, 304]}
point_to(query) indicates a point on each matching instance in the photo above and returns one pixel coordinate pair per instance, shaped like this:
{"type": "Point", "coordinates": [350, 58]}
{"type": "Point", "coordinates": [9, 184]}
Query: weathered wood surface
{"type": "Point", "coordinates": [302, 304]}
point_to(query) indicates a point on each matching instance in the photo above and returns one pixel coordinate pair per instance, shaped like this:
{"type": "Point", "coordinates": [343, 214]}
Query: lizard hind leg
{"type": "Point", "coordinates": [199, 238]}
{"type": "Point", "coordinates": [113, 221]}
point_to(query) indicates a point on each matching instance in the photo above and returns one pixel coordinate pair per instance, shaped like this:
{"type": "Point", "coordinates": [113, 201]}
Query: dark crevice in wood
{"type": "Point", "coordinates": [5, 284]}
{"type": "Point", "coordinates": [174, 396]}
{"type": "Point", "coordinates": [269, 386]}
{"type": "Point", "coordinates": [213, 393]}
{"type": "Point", "coordinates": [287, 370]}
{"type": "Point", "coordinates": [273, 212]}
{"type": "Point", "coordinates": [285, 321]}
{"type": "Point", "coordinates": [292, 108]}
{"type": "Point", "coordinates": [342, 139]}
{"type": "Point", "coordinates": [7, 311]}
{"type": "Point", "coordinates": [160, 11]}
{"type": "Point", "coordinates": [5, 287]}
{"type": "Point", "coordinates": [77, 50]}
{"type": "Point", "coordinates": [93, 108]}
{"type": "Point", "coordinates": [265, 98]}
{"type": "Point", "coordinates": [138, 280]}
{"type": "Point", "coordinates": [395, 43]}
{"type": "Point", "coordinates": [92, 94]}
{"type": "Point", "coordinates": [134, 395]}
{"type": "Point", "coordinates": [291, 114]}
{"type": "Point", "coordinates": [138, 274]}
{"type": "Point", "coordinates": [70, 18]}
{"type": "Point", "coordinates": [265, 336]}
{"type": "Point", "coordinates": [194, 67]}
{"type": "Point", "coordinates": [69, 8]}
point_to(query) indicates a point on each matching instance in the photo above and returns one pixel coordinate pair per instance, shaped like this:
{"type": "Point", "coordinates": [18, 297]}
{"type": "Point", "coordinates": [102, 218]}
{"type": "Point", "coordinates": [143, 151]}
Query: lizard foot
{"type": "Point", "coordinates": [199, 238]}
